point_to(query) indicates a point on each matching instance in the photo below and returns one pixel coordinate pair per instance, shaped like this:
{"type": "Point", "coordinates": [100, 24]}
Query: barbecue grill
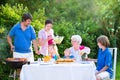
{"type": "Point", "coordinates": [16, 63]}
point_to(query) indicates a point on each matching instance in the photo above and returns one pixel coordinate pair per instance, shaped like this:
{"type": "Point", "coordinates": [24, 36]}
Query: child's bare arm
{"type": "Point", "coordinates": [89, 59]}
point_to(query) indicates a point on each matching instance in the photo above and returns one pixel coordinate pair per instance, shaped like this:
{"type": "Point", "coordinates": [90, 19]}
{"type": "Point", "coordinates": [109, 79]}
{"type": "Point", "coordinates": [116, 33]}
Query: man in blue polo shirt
{"type": "Point", "coordinates": [24, 35]}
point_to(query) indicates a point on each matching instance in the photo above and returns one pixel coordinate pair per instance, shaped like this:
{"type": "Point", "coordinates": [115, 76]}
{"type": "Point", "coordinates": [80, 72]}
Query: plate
{"type": "Point", "coordinates": [43, 63]}
{"type": "Point", "coordinates": [35, 62]}
{"type": "Point", "coordinates": [85, 62]}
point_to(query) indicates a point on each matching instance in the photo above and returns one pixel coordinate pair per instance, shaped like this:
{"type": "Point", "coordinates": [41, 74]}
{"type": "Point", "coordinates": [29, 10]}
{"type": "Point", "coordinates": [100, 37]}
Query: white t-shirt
{"type": "Point", "coordinates": [75, 53]}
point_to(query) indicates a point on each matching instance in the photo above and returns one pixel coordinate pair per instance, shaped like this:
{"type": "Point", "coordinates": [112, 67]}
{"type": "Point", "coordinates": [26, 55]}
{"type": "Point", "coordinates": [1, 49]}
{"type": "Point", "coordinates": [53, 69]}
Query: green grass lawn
{"type": "Point", "coordinates": [118, 71]}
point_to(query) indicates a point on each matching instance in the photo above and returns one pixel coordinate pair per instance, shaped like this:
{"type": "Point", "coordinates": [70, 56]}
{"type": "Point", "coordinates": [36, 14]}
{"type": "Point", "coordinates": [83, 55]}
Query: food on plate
{"type": "Point", "coordinates": [46, 58]}
{"type": "Point", "coordinates": [16, 59]}
{"type": "Point", "coordinates": [68, 60]}
{"type": "Point", "coordinates": [61, 60]}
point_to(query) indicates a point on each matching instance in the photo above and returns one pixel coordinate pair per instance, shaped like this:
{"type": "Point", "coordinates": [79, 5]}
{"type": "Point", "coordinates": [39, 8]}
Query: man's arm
{"type": "Point", "coordinates": [35, 46]}
{"type": "Point", "coordinates": [9, 39]}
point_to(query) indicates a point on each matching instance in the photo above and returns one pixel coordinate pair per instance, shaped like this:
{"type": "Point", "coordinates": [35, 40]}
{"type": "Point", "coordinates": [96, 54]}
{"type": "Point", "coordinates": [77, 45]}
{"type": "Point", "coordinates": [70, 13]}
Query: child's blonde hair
{"type": "Point", "coordinates": [54, 48]}
{"type": "Point", "coordinates": [67, 49]}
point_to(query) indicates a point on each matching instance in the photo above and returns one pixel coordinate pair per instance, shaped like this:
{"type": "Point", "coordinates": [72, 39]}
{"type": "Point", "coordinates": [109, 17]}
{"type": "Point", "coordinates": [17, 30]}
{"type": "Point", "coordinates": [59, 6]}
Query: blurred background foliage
{"type": "Point", "coordinates": [88, 18]}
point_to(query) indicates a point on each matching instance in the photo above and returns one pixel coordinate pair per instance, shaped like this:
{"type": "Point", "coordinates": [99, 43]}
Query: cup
{"type": "Point", "coordinates": [39, 60]}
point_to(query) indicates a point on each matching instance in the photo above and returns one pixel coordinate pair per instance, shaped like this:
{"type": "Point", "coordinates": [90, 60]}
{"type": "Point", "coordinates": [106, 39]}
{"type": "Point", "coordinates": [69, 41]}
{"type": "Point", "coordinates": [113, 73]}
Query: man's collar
{"type": "Point", "coordinates": [26, 27]}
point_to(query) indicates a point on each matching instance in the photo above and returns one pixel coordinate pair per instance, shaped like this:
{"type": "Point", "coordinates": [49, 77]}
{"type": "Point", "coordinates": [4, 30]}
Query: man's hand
{"type": "Point", "coordinates": [9, 39]}
{"type": "Point", "coordinates": [12, 48]}
{"type": "Point", "coordinates": [35, 47]}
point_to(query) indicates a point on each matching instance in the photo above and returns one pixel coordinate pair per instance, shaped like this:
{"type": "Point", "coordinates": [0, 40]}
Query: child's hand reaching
{"type": "Point", "coordinates": [89, 59]}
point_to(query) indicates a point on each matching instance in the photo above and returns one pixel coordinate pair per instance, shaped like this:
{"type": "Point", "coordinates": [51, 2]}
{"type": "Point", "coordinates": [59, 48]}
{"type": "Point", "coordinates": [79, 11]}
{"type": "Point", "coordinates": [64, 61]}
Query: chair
{"type": "Point", "coordinates": [114, 54]}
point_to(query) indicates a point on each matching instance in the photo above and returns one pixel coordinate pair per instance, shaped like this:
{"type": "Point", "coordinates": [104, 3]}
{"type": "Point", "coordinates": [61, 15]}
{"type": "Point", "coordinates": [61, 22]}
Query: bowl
{"type": "Point", "coordinates": [58, 39]}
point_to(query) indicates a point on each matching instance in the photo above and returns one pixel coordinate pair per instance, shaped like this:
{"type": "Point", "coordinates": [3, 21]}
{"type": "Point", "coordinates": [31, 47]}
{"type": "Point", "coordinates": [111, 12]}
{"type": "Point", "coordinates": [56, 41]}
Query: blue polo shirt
{"type": "Point", "coordinates": [105, 59]}
{"type": "Point", "coordinates": [22, 39]}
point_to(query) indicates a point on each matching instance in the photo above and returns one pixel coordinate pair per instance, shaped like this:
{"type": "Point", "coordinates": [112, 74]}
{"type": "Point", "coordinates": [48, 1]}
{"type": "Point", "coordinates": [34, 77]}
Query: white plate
{"type": "Point", "coordinates": [43, 63]}
{"type": "Point", "coordinates": [35, 62]}
{"type": "Point", "coordinates": [85, 62]}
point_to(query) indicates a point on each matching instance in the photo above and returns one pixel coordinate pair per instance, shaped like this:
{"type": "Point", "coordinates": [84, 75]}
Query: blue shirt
{"type": "Point", "coordinates": [105, 59]}
{"type": "Point", "coordinates": [22, 39]}
{"type": "Point", "coordinates": [71, 57]}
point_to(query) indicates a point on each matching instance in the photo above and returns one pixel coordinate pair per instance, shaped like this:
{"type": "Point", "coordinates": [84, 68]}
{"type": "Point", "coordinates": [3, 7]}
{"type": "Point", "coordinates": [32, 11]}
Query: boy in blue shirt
{"type": "Point", "coordinates": [104, 61]}
{"type": "Point", "coordinates": [24, 35]}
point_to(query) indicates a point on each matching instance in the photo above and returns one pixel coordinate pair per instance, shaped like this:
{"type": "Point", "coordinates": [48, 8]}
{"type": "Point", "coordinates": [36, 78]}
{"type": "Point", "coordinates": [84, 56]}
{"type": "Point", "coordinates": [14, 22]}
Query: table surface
{"type": "Point", "coordinates": [70, 71]}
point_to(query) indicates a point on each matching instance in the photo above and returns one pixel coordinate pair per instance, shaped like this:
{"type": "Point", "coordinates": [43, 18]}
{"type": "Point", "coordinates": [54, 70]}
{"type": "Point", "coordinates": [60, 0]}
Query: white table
{"type": "Point", "coordinates": [74, 71]}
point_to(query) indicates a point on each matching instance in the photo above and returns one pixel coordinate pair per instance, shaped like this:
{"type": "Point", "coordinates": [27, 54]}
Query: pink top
{"type": "Point", "coordinates": [44, 35]}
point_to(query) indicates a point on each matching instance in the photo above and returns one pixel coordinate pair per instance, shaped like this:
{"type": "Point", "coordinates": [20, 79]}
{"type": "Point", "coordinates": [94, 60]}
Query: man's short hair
{"type": "Point", "coordinates": [26, 16]}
